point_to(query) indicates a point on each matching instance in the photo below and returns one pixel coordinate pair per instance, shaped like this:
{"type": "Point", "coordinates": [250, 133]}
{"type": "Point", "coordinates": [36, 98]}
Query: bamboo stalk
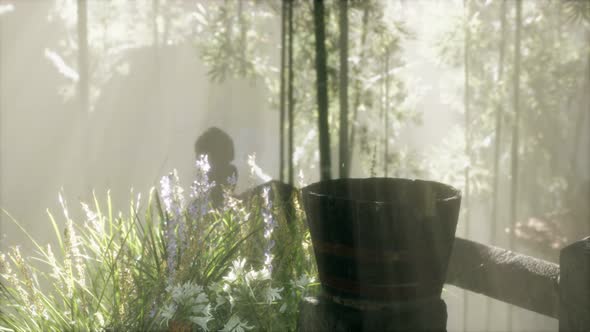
{"type": "Point", "coordinates": [322, 89]}
{"type": "Point", "coordinates": [291, 101]}
{"type": "Point", "coordinates": [343, 90]}
{"type": "Point", "coordinates": [282, 93]}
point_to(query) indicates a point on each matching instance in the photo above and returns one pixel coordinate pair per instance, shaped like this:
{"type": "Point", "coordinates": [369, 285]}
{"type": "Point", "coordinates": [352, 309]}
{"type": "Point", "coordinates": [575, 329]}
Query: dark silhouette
{"type": "Point", "coordinates": [219, 148]}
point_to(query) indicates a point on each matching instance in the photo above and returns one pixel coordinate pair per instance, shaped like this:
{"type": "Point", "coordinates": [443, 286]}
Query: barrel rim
{"type": "Point", "coordinates": [455, 194]}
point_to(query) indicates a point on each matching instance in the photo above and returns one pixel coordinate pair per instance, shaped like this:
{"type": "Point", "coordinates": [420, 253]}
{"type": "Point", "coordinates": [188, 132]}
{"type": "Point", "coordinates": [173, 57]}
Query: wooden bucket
{"type": "Point", "coordinates": [382, 239]}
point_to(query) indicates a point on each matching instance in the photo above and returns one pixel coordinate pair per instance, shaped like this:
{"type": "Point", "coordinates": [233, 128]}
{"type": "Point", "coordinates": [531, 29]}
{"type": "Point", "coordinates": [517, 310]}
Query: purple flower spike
{"type": "Point", "coordinates": [173, 199]}
{"type": "Point", "coordinates": [269, 226]}
{"type": "Point", "coordinates": [201, 189]}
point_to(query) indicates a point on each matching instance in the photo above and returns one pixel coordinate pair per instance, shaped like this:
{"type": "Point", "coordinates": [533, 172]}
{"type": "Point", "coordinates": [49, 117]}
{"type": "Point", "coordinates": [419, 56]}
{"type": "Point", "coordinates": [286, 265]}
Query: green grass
{"type": "Point", "coordinates": [114, 271]}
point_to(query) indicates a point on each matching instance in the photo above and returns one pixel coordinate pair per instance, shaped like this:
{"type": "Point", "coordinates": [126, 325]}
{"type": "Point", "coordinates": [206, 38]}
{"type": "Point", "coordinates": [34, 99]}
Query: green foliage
{"type": "Point", "coordinates": [166, 266]}
{"type": "Point", "coordinates": [578, 10]}
{"type": "Point", "coordinates": [551, 81]}
{"type": "Point", "coordinates": [234, 32]}
{"type": "Point", "coordinates": [237, 40]}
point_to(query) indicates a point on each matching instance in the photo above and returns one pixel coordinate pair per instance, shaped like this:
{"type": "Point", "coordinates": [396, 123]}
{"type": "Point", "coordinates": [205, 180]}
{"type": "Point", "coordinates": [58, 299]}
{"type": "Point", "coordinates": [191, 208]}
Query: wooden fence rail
{"type": "Point", "coordinates": [510, 277]}
{"type": "Point", "coordinates": [558, 291]}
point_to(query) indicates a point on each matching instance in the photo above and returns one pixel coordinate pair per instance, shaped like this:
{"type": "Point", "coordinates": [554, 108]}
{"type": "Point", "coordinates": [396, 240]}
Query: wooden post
{"type": "Point", "coordinates": [574, 287]}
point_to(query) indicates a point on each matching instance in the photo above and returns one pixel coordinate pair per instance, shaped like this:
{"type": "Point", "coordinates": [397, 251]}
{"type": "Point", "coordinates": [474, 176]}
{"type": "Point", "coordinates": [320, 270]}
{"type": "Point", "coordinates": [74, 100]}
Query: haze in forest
{"type": "Point", "coordinates": [113, 101]}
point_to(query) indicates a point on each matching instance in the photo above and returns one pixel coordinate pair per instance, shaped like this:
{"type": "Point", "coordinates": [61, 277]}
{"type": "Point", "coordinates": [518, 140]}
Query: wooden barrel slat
{"type": "Point", "coordinates": [382, 238]}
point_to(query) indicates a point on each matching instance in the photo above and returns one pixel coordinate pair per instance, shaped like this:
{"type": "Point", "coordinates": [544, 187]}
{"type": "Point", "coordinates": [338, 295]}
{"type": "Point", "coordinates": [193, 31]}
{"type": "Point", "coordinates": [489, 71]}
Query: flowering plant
{"type": "Point", "coordinates": [175, 264]}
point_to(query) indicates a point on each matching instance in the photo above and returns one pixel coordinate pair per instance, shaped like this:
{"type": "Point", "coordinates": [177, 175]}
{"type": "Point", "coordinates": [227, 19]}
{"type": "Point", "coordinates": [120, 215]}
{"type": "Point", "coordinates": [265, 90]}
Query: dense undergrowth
{"type": "Point", "coordinates": [174, 263]}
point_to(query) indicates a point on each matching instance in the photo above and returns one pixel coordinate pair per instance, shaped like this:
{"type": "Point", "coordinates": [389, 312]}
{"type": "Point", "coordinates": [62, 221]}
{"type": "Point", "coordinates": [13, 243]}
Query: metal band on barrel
{"type": "Point", "coordinates": [360, 253]}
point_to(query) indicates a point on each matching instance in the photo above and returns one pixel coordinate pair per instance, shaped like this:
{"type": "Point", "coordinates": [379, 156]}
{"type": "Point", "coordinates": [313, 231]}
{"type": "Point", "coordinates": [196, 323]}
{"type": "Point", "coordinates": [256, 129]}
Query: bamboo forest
{"type": "Point", "coordinates": [294, 165]}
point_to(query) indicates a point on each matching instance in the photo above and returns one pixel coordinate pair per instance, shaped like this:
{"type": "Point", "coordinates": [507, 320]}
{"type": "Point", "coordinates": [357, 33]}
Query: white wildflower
{"type": "Point", "coordinates": [188, 299]}
{"type": "Point", "coordinates": [235, 324]}
{"type": "Point", "coordinates": [169, 311]}
{"type": "Point", "coordinates": [257, 275]}
{"type": "Point", "coordinates": [201, 321]}
{"type": "Point", "coordinates": [236, 271]}
{"type": "Point", "coordinates": [231, 276]}
{"type": "Point", "coordinates": [264, 274]}
{"type": "Point", "coordinates": [272, 294]}
{"type": "Point", "coordinates": [303, 281]}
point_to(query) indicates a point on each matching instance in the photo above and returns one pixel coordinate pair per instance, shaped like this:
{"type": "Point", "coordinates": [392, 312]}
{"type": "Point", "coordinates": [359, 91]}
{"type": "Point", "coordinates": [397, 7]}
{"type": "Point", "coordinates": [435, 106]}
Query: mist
{"type": "Point", "coordinates": [105, 97]}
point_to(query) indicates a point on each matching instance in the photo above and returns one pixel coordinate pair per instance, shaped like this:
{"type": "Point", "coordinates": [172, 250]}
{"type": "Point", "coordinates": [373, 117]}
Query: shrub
{"type": "Point", "coordinates": [177, 264]}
